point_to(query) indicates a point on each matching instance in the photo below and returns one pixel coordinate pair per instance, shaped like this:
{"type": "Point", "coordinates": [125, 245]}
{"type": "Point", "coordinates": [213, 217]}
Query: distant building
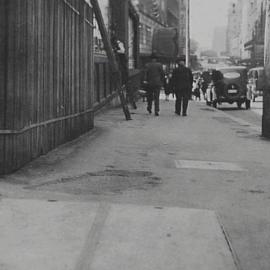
{"type": "Point", "coordinates": [219, 39]}
{"type": "Point", "coordinates": [245, 30]}
{"type": "Point", "coordinates": [234, 28]}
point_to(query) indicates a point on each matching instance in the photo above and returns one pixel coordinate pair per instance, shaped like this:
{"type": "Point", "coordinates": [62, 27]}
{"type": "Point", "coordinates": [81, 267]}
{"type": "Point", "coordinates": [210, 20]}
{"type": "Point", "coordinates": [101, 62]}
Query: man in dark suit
{"type": "Point", "coordinates": [182, 80]}
{"type": "Point", "coordinates": [155, 79]}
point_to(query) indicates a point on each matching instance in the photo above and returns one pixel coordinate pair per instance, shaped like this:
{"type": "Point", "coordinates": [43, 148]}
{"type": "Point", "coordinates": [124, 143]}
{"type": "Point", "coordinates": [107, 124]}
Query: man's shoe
{"type": "Point", "coordinates": [156, 114]}
{"type": "Point", "coordinates": [178, 113]}
{"type": "Point", "coordinates": [184, 114]}
{"type": "Point", "coordinates": [149, 111]}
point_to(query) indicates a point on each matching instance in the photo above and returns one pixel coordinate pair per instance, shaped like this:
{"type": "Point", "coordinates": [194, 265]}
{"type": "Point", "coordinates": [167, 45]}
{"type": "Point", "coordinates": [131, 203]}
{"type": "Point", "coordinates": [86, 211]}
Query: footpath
{"type": "Point", "coordinates": [152, 193]}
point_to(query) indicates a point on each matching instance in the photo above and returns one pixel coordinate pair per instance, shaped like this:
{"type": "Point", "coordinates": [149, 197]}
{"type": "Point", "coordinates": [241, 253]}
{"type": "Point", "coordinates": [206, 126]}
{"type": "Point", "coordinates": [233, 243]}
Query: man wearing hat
{"type": "Point", "coordinates": [155, 79]}
{"type": "Point", "coordinates": [182, 80]}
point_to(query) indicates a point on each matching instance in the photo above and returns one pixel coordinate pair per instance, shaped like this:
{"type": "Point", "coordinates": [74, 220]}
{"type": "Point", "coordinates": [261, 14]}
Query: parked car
{"type": "Point", "coordinates": [230, 85]}
{"type": "Point", "coordinates": [256, 82]}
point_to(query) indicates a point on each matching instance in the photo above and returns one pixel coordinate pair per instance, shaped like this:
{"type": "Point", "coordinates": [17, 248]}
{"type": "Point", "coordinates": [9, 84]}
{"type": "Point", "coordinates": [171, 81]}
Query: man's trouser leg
{"type": "Point", "coordinates": [156, 98]}
{"type": "Point", "coordinates": [149, 99]}
{"type": "Point", "coordinates": [185, 104]}
{"type": "Point", "coordinates": [178, 103]}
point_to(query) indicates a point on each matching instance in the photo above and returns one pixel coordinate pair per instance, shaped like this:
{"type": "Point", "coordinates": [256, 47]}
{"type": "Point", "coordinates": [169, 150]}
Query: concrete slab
{"type": "Point", "coordinates": [148, 238]}
{"type": "Point", "coordinates": [67, 235]}
{"type": "Point", "coordinates": [41, 235]}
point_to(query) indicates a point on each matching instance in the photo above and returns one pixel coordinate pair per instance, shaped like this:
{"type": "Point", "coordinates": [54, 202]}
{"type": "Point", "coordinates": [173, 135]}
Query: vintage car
{"type": "Point", "coordinates": [256, 82]}
{"type": "Point", "coordinates": [230, 85]}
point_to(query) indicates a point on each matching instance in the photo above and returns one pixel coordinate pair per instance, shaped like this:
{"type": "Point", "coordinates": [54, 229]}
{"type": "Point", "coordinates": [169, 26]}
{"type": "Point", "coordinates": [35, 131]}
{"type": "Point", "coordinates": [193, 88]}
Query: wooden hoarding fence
{"type": "Point", "coordinates": [46, 77]}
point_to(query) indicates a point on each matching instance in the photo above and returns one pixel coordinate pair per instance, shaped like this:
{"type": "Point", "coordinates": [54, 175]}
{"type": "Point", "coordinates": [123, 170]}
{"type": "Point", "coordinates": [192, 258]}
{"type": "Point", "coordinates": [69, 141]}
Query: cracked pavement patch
{"type": "Point", "coordinates": [101, 182]}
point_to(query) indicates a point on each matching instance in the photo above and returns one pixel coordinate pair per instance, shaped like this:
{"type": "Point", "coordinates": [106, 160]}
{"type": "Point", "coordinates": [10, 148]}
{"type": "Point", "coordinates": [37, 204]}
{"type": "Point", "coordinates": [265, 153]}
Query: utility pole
{"type": "Point", "coordinates": [266, 90]}
{"type": "Point", "coordinates": [187, 33]}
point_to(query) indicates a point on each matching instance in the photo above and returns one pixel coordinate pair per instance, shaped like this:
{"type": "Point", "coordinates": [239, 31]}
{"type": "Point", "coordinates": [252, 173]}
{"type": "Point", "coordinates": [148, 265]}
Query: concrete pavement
{"type": "Point", "coordinates": [210, 161]}
{"type": "Point", "coordinates": [67, 235]}
{"type": "Point", "coordinates": [257, 106]}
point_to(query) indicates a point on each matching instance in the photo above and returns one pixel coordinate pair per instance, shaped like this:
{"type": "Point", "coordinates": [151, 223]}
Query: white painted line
{"type": "Point", "coordinates": [207, 165]}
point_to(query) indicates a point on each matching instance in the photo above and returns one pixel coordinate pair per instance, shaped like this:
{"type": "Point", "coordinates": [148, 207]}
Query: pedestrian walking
{"type": "Point", "coordinates": [182, 80]}
{"type": "Point", "coordinates": [196, 90]}
{"type": "Point", "coordinates": [205, 81]}
{"type": "Point", "coordinates": [251, 88]}
{"type": "Point", "coordinates": [155, 79]}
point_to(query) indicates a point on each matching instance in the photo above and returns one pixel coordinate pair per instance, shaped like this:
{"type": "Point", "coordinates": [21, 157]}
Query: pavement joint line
{"type": "Point", "coordinates": [86, 257]}
{"type": "Point", "coordinates": [235, 257]}
{"type": "Point", "coordinates": [208, 165]}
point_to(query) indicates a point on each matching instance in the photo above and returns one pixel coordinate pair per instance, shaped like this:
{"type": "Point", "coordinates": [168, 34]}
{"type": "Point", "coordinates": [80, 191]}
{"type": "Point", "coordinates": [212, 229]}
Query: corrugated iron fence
{"type": "Point", "coordinates": [46, 76]}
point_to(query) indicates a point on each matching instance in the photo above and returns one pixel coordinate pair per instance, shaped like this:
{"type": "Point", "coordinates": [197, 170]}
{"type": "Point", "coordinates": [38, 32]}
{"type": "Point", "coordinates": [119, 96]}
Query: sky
{"type": "Point", "coordinates": [205, 15]}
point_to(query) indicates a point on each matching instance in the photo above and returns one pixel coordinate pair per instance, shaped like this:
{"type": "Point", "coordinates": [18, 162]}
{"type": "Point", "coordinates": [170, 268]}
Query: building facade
{"type": "Point", "coordinates": [254, 42]}
{"type": "Point", "coordinates": [182, 26]}
{"type": "Point", "coordinates": [122, 23]}
{"type": "Point", "coordinates": [173, 13]}
{"type": "Point", "coordinates": [233, 43]}
{"type": "Point", "coordinates": [155, 14]}
{"type": "Point", "coordinates": [152, 14]}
